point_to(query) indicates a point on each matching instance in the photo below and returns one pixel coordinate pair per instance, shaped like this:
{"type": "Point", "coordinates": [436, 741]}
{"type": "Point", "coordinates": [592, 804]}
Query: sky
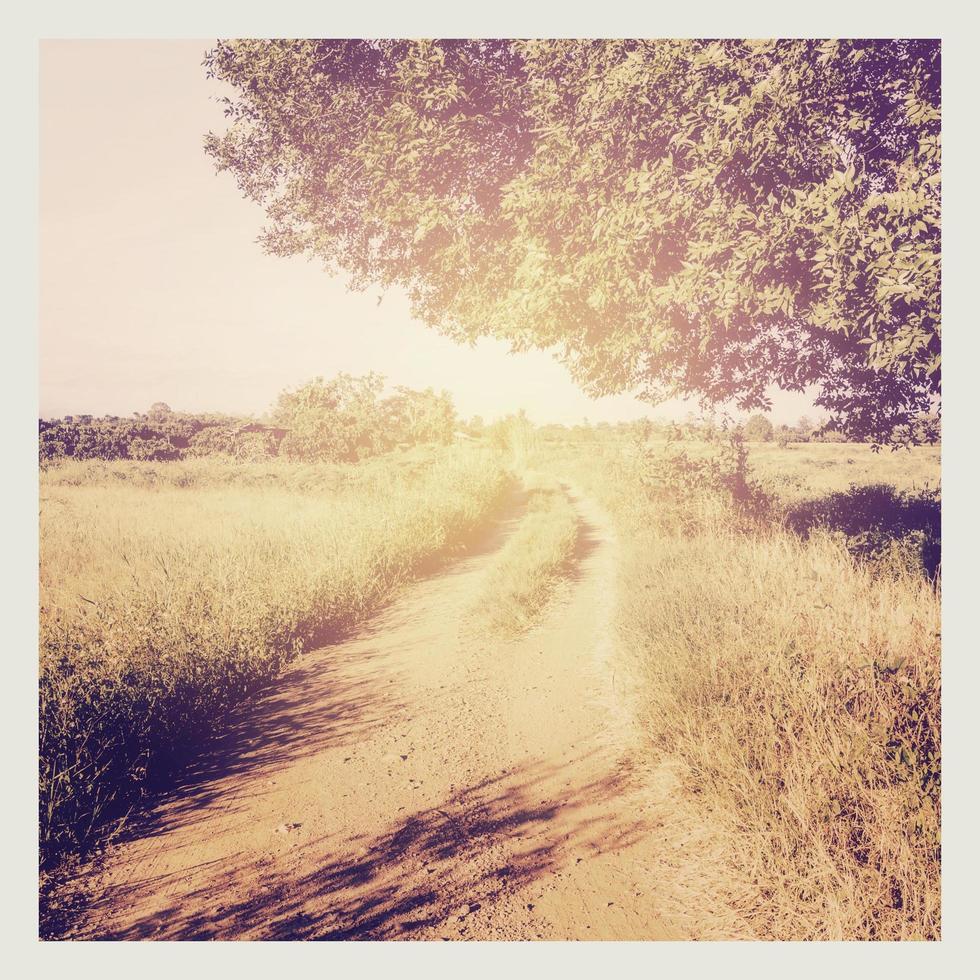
{"type": "Point", "coordinates": [153, 287]}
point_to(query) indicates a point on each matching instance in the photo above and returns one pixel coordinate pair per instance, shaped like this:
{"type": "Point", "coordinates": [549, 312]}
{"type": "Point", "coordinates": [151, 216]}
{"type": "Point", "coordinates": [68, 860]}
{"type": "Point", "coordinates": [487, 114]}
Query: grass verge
{"type": "Point", "coordinates": [532, 562]}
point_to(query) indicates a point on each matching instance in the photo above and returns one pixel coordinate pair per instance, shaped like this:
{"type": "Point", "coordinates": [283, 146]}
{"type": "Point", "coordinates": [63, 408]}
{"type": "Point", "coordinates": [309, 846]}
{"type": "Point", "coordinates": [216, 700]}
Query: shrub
{"type": "Point", "coordinates": [893, 529]}
{"type": "Point", "coordinates": [685, 488]}
{"type": "Point", "coordinates": [829, 435]}
{"type": "Point", "coordinates": [152, 449]}
{"type": "Point", "coordinates": [341, 420]}
{"type": "Point", "coordinates": [758, 429]}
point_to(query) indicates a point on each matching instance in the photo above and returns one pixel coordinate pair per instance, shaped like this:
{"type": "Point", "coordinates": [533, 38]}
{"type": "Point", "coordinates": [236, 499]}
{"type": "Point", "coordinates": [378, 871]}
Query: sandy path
{"type": "Point", "coordinates": [416, 781]}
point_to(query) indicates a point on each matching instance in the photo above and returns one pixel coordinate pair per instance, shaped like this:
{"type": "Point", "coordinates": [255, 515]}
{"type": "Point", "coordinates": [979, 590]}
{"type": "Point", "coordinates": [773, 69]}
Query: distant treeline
{"type": "Point", "coordinates": [346, 419]}
{"type": "Point", "coordinates": [156, 436]}
{"type": "Point", "coordinates": [341, 420]}
{"type": "Point", "coordinates": [758, 428]}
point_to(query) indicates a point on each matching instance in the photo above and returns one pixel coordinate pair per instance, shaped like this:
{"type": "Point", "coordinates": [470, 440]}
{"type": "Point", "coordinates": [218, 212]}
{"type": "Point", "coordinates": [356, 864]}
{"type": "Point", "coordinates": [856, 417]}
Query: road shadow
{"type": "Point", "coordinates": [438, 867]}
{"type": "Point", "coordinates": [874, 518]}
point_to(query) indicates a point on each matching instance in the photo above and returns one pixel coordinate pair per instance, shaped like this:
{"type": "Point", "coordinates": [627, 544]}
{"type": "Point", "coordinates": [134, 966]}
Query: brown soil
{"type": "Point", "coordinates": [417, 781]}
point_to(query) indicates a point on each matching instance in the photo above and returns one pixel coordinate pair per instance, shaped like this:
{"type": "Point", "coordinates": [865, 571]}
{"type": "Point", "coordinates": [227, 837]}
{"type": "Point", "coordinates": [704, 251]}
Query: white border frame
{"type": "Point", "coordinates": [502, 18]}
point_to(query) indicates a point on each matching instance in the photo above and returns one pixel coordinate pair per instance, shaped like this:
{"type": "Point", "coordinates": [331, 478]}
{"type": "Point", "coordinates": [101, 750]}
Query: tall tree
{"type": "Point", "coordinates": [336, 420]}
{"type": "Point", "coordinates": [686, 217]}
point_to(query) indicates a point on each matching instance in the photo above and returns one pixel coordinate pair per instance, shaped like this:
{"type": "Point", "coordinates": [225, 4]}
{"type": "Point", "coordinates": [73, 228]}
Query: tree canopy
{"type": "Point", "coordinates": [758, 429]}
{"type": "Point", "coordinates": [681, 217]}
{"type": "Point", "coordinates": [345, 418]}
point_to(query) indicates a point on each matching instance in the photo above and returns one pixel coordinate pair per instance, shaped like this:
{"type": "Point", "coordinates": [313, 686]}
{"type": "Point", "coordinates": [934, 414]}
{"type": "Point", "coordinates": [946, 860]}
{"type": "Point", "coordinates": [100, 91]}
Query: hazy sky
{"type": "Point", "coordinates": [153, 289]}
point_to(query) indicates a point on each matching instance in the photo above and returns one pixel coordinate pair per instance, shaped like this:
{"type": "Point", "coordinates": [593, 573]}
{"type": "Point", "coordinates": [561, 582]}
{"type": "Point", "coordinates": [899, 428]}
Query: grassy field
{"type": "Point", "coordinates": [171, 591]}
{"type": "Point", "coordinates": [788, 679]}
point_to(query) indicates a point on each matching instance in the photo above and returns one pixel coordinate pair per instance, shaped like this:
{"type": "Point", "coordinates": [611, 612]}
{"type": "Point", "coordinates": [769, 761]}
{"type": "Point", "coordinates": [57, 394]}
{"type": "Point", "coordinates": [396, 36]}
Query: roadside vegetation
{"type": "Point", "coordinates": [533, 562]}
{"type": "Point", "coordinates": [788, 680]}
{"type": "Point", "coordinates": [172, 591]}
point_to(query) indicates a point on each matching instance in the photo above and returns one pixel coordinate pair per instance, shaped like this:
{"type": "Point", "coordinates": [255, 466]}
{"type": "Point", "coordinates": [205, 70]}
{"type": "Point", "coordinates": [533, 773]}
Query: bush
{"type": "Point", "coordinates": [758, 429]}
{"type": "Point", "coordinates": [889, 528]}
{"type": "Point", "coordinates": [153, 448]}
{"type": "Point", "coordinates": [685, 489]}
{"type": "Point", "coordinates": [784, 436]}
{"type": "Point", "coordinates": [341, 420]}
{"type": "Point", "coordinates": [829, 435]}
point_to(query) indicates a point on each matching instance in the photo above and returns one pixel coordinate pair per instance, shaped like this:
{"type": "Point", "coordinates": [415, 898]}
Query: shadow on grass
{"type": "Point", "coordinates": [875, 520]}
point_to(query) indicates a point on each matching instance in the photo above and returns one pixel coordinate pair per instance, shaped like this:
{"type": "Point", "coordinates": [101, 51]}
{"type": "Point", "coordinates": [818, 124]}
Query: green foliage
{"type": "Point", "coordinates": [897, 531]}
{"type": "Point", "coordinates": [152, 449]}
{"type": "Point", "coordinates": [680, 483]}
{"type": "Point", "coordinates": [158, 436]}
{"type": "Point", "coordinates": [476, 427]}
{"type": "Point", "coordinates": [421, 417]}
{"type": "Point", "coordinates": [685, 216]}
{"type": "Point", "coordinates": [337, 420]}
{"type": "Point", "coordinates": [783, 435]}
{"type": "Point", "coordinates": [829, 435]}
{"type": "Point", "coordinates": [244, 442]}
{"type": "Point", "coordinates": [758, 429]}
{"type": "Point", "coordinates": [514, 434]}
{"type": "Point", "coordinates": [925, 429]}
{"type": "Point", "coordinates": [345, 419]}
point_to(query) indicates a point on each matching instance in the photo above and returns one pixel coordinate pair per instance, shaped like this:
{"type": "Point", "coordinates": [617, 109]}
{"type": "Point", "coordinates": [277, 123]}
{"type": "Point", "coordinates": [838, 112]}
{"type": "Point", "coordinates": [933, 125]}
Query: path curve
{"type": "Point", "coordinates": [417, 781]}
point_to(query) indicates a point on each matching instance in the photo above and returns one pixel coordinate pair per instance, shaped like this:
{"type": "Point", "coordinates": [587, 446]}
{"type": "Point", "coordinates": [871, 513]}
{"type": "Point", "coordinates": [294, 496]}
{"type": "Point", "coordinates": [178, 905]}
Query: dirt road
{"type": "Point", "coordinates": [417, 781]}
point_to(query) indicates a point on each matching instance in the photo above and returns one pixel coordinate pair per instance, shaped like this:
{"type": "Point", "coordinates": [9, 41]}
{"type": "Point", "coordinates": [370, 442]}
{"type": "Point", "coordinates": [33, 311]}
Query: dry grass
{"type": "Point", "coordinates": [169, 592]}
{"type": "Point", "coordinates": [532, 562]}
{"type": "Point", "coordinates": [792, 692]}
{"type": "Point", "coordinates": [808, 469]}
